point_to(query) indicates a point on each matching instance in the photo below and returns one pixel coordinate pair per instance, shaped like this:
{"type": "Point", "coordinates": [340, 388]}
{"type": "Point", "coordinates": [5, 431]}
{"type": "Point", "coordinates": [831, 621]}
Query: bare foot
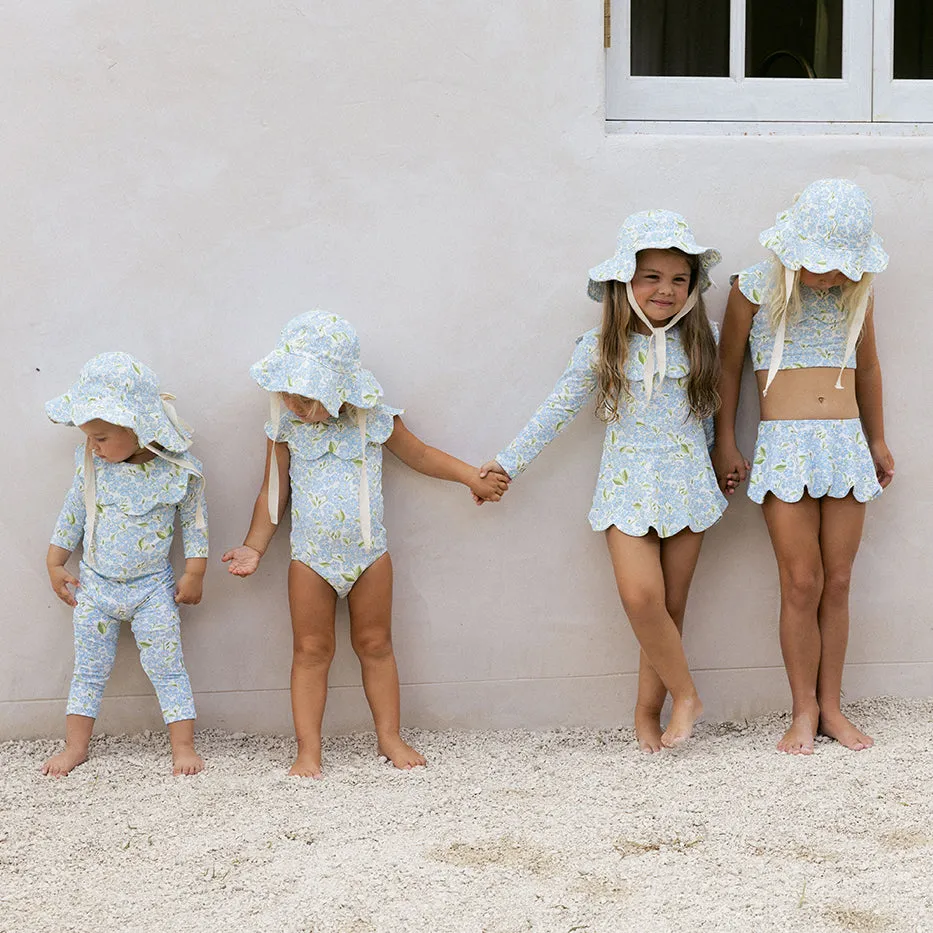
{"type": "Point", "coordinates": [837, 727]}
{"type": "Point", "coordinates": [65, 761]}
{"type": "Point", "coordinates": [401, 754]}
{"type": "Point", "coordinates": [798, 740]}
{"type": "Point", "coordinates": [684, 713]}
{"type": "Point", "coordinates": [185, 760]}
{"type": "Point", "coordinates": [307, 764]}
{"type": "Point", "coordinates": [648, 729]}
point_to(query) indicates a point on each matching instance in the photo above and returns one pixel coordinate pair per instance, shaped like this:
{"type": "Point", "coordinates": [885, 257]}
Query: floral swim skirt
{"type": "Point", "coordinates": [822, 458]}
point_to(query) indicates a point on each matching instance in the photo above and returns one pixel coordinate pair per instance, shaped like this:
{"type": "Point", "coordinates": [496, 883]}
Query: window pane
{"type": "Point", "coordinates": [680, 37]}
{"type": "Point", "coordinates": [913, 39]}
{"type": "Point", "coordinates": [793, 39]}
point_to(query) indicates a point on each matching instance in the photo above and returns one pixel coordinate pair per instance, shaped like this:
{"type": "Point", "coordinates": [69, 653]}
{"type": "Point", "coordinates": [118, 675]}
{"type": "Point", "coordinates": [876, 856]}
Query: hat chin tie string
{"type": "Point", "coordinates": [272, 494]}
{"type": "Point", "coordinates": [855, 328]}
{"type": "Point", "coordinates": [777, 351]}
{"type": "Point", "coordinates": [365, 518]}
{"type": "Point", "coordinates": [656, 359]}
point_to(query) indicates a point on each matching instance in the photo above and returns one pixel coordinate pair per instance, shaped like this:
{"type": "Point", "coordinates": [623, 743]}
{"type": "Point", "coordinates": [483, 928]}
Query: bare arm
{"type": "Point", "coordinates": [430, 461]}
{"type": "Point", "coordinates": [868, 394]}
{"type": "Point", "coordinates": [735, 329]}
{"type": "Point", "coordinates": [245, 559]}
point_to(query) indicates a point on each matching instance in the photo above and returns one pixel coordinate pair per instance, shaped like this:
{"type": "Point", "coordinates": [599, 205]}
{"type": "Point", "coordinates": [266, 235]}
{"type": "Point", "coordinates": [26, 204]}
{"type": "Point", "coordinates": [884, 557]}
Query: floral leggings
{"type": "Point", "coordinates": [148, 604]}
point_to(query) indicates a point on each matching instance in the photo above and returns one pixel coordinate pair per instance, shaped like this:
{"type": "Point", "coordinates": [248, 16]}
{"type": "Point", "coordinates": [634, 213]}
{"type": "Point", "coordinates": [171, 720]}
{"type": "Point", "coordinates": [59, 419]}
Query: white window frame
{"type": "Point", "coordinates": [865, 98]}
{"type": "Point", "coordinates": [895, 101]}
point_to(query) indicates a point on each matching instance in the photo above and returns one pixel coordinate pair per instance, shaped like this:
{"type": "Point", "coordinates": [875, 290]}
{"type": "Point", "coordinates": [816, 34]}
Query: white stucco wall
{"type": "Point", "coordinates": [181, 178]}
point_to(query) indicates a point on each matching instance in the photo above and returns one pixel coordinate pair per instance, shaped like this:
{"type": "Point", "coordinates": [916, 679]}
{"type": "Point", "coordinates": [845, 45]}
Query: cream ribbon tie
{"type": "Point", "coordinates": [777, 351]}
{"type": "Point", "coordinates": [656, 359]}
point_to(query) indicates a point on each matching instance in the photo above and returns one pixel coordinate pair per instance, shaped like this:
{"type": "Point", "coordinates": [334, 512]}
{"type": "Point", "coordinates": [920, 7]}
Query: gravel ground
{"type": "Point", "coordinates": [572, 830]}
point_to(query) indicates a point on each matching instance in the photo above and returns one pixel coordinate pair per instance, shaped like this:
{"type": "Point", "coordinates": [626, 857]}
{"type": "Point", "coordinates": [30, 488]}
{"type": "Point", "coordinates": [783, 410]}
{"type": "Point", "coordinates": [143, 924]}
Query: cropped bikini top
{"type": "Point", "coordinates": [819, 337]}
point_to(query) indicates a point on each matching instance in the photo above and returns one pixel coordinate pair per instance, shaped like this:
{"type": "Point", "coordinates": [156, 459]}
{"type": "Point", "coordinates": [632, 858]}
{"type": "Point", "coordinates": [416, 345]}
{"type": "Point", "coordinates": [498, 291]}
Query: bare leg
{"type": "Point", "coordinates": [840, 535]}
{"type": "Point", "coordinates": [639, 577]}
{"type": "Point", "coordinates": [679, 554]}
{"type": "Point", "coordinates": [794, 528]}
{"type": "Point", "coordinates": [371, 634]}
{"type": "Point", "coordinates": [78, 731]}
{"type": "Point", "coordinates": [313, 602]}
{"type": "Point", "coordinates": [185, 760]}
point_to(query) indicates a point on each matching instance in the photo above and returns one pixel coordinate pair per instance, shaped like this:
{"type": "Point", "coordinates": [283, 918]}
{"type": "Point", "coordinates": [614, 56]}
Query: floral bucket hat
{"type": "Point", "coordinates": [318, 356]}
{"type": "Point", "coordinates": [119, 389]}
{"type": "Point", "coordinates": [116, 387]}
{"type": "Point", "coordinates": [652, 230]}
{"type": "Point", "coordinates": [829, 226]}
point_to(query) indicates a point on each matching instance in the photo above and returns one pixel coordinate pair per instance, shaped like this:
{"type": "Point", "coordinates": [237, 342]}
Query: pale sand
{"type": "Point", "coordinates": [503, 832]}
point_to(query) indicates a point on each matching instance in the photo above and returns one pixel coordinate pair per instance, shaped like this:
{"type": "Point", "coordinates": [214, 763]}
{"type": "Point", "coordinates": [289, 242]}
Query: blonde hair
{"type": "Point", "coordinates": [696, 334]}
{"type": "Point", "coordinates": [853, 297]}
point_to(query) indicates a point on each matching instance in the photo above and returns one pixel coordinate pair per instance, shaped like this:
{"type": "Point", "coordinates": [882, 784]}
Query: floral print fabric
{"type": "Point", "coordinates": [828, 227]}
{"type": "Point", "coordinates": [817, 338]}
{"type": "Point", "coordinates": [822, 458]}
{"type": "Point", "coordinates": [318, 356]}
{"type": "Point", "coordinates": [148, 603]}
{"type": "Point", "coordinates": [655, 470]}
{"type": "Point", "coordinates": [658, 229]}
{"type": "Point", "coordinates": [136, 506]}
{"type": "Point", "coordinates": [324, 472]}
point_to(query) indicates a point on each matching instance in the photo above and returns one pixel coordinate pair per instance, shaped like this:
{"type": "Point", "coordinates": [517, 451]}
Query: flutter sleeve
{"type": "Point", "coordinates": [571, 393]}
{"type": "Point", "coordinates": [69, 529]}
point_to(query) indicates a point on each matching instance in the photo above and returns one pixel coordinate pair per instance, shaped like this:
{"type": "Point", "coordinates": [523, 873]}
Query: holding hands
{"type": "Point", "coordinates": [490, 472]}
{"type": "Point", "coordinates": [730, 466]}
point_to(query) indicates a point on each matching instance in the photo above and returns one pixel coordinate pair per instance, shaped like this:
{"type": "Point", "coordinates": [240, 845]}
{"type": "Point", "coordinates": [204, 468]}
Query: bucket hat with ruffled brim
{"type": "Point", "coordinates": [657, 229]}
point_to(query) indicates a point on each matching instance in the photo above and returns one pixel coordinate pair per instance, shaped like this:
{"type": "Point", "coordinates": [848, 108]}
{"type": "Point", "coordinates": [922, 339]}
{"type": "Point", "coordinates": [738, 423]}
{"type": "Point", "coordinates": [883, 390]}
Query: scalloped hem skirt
{"type": "Point", "coordinates": [821, 458]}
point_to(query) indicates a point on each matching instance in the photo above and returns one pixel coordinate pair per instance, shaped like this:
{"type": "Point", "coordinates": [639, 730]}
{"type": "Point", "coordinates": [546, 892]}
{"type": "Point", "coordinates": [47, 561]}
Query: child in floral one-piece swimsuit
{"type": "Point", "coordinates": [327, 453]}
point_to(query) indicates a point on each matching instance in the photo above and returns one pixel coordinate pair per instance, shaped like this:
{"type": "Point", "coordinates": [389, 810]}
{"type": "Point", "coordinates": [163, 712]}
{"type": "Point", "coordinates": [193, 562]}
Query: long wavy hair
{"type": "Point", "coordinates": [696, 334]}
{"type": "Point", "coordinates": [853, 294]}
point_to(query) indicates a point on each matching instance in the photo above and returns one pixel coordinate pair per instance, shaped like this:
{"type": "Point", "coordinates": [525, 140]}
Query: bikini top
{"type": "Point", "coordinates": [820, 337]}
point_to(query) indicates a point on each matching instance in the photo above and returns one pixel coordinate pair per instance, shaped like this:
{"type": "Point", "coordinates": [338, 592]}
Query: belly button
{"type": "Point", "coordinates": [821, 399]}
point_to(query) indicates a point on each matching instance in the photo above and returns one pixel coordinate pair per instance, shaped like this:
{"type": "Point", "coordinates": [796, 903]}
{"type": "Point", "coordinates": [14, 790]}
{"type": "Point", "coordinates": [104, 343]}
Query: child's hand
{"type": "Point", "coordinates": [61, 579]}
{"type": "Point", "coordinates": [884, 463]}
{"type": "Point", "coordinates": [243, 560]}
{"type": "Point", "coordinates": [730, 466]}
{"type": "Point", "coordinates": [188, 589]}
{"type": "Point", "coordinates": [491, 470]}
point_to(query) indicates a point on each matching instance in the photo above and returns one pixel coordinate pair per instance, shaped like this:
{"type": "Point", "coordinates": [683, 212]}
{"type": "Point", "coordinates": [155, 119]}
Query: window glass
{"type": "Point", "coordinates": [793, 38]}
{"type": "Point", "coordinates": [913, 39]}
{"type": "Point", "coordinates": [680, 38]}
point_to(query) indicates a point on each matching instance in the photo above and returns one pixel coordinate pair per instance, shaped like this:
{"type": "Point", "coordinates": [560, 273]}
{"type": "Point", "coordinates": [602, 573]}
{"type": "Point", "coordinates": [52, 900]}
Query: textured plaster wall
{"type": "Point", "coordinates": [181, 178]}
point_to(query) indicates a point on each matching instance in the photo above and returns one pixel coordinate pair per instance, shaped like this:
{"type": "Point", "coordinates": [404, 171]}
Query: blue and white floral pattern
{"type": "Point", "coordinates": [318, 356]}
{"type": "Point", "coordinates": [822, 458]}
{"type": "Point", "coordinates": [148, 604]}
{"type": "Point", "coordinates": [828, 227]}
{"type": "Point", "coordinates": [121, 390]}
{"type": "Point", "coordinates": [656, 229]}
{"type": "Point", "coordinates": [324, 472]}
{"type": "Point", "coordinates": [816, 338]}
{"type": "Point", "coordinates": [136, 506]}
{"type": "Point", "coordinates": [655, 470]}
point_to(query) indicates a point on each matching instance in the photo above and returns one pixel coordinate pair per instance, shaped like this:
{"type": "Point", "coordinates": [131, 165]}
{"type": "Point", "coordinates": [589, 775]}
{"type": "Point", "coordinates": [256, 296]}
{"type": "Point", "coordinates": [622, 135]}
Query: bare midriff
{"type": "Point", "coordinates": [807, 395]}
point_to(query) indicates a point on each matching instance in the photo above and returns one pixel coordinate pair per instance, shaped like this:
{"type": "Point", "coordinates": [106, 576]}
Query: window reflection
{"type": "Point", "coordinates": [793, 39]}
